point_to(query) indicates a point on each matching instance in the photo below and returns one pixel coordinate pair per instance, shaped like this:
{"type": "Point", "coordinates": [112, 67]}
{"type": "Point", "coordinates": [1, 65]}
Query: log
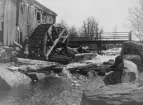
{"type": "Point", "coordinates": [62, 59]}
{"type": "Point", "coordinates": [18, 45]}
{"type": "Point", "coordinates": [35, 62]}
{"type": "Point", "coordinates": [83, 56]}
{"type": "Point", "coordinates": [84, 69]}
{"type": "Point", "coordinates": [28, 65]}
{"type": "Point", "coordinates": [36, 69]}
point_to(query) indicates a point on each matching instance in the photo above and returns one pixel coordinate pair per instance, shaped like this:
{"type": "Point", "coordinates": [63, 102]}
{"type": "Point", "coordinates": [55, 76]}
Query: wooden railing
{"type": "Point", "coordinates": [111, 36]}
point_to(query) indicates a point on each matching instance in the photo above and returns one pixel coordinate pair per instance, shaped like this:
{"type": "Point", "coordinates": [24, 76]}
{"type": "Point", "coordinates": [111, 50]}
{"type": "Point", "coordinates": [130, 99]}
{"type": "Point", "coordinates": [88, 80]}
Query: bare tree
{"type": "Point", "coordinates": [90, 28]}
{"type": "Point", "coordinates": [73, 32]}
{"type": "Point", "coordinates": [136, 20]}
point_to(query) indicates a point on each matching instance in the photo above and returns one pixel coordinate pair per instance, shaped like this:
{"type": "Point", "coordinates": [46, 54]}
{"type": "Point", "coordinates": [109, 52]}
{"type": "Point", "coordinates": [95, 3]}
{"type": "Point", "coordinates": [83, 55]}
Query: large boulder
{"type": "Point", "coordinates": [130, 71]}
{"type": "Point", "coordinates": [133, 51]}
{"type": "Point", "coordinates": [123, 71]}
{"type": "Point", "coordinates": [9, 79]}
{"type": "Point", "coordinates": [132, 48]}
{"type": "Point", "coordinates": [136, 59]}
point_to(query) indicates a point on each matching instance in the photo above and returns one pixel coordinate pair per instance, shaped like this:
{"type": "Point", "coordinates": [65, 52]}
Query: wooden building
{"type": "Point", "coordinates": [19, 18]}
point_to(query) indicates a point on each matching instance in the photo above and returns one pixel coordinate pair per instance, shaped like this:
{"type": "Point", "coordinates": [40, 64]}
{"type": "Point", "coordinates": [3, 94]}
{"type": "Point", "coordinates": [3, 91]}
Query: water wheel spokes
{"type": "Point", "coordinates": [55, 43]}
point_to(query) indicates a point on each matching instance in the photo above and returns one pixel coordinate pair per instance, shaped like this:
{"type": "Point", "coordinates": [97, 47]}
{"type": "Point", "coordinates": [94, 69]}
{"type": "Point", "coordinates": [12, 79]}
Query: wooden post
{"type": "Point", "coordinates": [98, 48]}
{"type": "Point", "coordinates": [130, 35]}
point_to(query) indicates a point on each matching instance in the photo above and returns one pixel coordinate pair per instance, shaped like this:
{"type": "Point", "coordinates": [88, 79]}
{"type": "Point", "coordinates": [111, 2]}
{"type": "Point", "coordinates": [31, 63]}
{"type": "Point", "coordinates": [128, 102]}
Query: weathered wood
{"type": "Point", "coordinates": [86, 67]}
{"type": "Point", "coordinates": [18, 45]}
{"type": "Point", "coordinates": [34, 62]}
{"type": "Point", "coordinates": [83, 56]}
{"type": "Point", "coordinates": [55, 43]}
{"type": "Point", "coordinates": [62, 59]}
{"type": "Point", "coordinates": [64, 40]}
{"type": "Point", "coordinates": [37, 66]}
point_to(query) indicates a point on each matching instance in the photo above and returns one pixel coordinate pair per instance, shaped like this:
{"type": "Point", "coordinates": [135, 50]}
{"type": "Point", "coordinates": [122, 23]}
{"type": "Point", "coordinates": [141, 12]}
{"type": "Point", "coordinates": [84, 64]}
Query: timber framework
{"type": "Point", "coordinates": [19, 18]}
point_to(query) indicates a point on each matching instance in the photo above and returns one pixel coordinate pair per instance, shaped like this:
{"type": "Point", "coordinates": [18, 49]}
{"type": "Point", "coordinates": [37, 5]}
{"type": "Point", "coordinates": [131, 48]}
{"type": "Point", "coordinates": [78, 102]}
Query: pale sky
{"type": "Point", "coordinates": [109, 13]}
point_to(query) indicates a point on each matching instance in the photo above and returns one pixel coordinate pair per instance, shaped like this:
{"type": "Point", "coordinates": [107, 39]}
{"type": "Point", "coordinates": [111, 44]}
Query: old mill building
{"type": "Point", "coordinates": [18, 19]}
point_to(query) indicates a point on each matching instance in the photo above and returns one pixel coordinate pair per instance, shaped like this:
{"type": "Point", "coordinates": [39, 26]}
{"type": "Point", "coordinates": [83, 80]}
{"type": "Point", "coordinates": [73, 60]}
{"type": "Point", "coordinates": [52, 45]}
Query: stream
{"type": "Point", "coordinates": [74, 89]}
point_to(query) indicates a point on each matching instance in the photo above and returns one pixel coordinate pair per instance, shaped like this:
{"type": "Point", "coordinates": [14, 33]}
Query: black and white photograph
{"type": "Point", "coordinates": [71, 52]}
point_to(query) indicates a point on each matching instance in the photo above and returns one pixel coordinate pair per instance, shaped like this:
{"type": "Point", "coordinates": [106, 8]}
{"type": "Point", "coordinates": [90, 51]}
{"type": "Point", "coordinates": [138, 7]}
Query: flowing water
{"type": "Point", "coordinates": [74, 89]}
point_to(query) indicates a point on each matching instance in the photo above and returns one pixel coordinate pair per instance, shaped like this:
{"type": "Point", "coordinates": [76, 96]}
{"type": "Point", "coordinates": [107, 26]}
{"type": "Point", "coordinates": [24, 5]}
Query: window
{"type": "Point", "coordinates": [38, 16]}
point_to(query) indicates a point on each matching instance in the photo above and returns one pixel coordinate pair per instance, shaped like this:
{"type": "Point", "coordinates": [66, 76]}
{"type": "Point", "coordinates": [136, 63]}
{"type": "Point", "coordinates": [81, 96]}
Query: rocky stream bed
{"type": "Point", "coordinates": [73, 88]}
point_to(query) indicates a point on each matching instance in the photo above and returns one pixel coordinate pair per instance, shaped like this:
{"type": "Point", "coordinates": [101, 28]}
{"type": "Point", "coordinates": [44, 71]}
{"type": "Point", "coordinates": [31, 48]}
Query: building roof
{"type": "Point", "coordinates": [41, 7]}
{"type": "Point", "coordinates": [45, 8]}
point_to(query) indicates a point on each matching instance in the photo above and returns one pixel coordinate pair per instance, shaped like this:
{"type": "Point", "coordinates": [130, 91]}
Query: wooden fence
{"type": "Point", "coordinates": [107, 36]}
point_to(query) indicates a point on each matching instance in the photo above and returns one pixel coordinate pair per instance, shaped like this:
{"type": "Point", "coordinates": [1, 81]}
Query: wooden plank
{"type": "Point", "coordinates": [114, 38]}
{"type": "Point", "coordinates": [115, 32]}
{"type": "Point", "coordinates": [18, 45]}
{"type": "Point", "coordinates": [117, 35]}
{"type": "Point", "coordinates": [55, 43]}
{"type": "Point", "coordinates": [29, 65]}
{"type": "Point", "coordinates": [35, 62]}
{"type": "Point", "coordinates": [65, 39]}
{"type": "Point", "coordinates": [13, 19]}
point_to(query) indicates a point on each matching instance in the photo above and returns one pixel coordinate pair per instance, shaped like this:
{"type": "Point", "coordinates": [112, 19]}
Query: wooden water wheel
{"type": "Point", "coordinates": [45, 39]}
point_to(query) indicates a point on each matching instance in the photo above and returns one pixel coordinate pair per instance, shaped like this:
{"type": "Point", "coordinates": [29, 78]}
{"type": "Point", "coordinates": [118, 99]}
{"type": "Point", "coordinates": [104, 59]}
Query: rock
{"type": "Point", "coordinates": [113, 78]}
{"type": "Point", "coordinates": [103, 68]}
{"type": "Point", "coordinates": [136, 59]}
{"type": "Point", "coordinates": [41, 76]}
{"type": "Point", "coordinates": [123, 71]}
{"type": "Point", "coordinates": [74, 50]}
{"type": "Point", "coordinates": [7, 54]}
{"type": "Point", "coordinates": [133, 48]}
{"type": "Point", "coordinates": [12, 79]}
{"type": "Point", "coordinates": [109, 62]}
{"type": "Point", "coordinates": [128, 77]}
{"type": "Point", "coordinates": [130, 71]}
{"type": "Point", "coordinates": [57, 69]}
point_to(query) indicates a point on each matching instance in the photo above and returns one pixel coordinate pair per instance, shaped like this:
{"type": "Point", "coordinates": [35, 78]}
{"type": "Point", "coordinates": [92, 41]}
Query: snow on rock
{"type": "Point", "coordinates": [12, 79]}
{"type": "Point", "coordinates": [136, 59]}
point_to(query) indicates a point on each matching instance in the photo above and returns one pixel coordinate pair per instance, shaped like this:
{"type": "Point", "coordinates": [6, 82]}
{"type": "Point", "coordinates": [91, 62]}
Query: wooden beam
{"type": "Point", "coordinates": [18, 45]}
{"type": "Point", "coordinates": [34, 62]}
{"type": "Point", "coordinates": [55, 43]}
